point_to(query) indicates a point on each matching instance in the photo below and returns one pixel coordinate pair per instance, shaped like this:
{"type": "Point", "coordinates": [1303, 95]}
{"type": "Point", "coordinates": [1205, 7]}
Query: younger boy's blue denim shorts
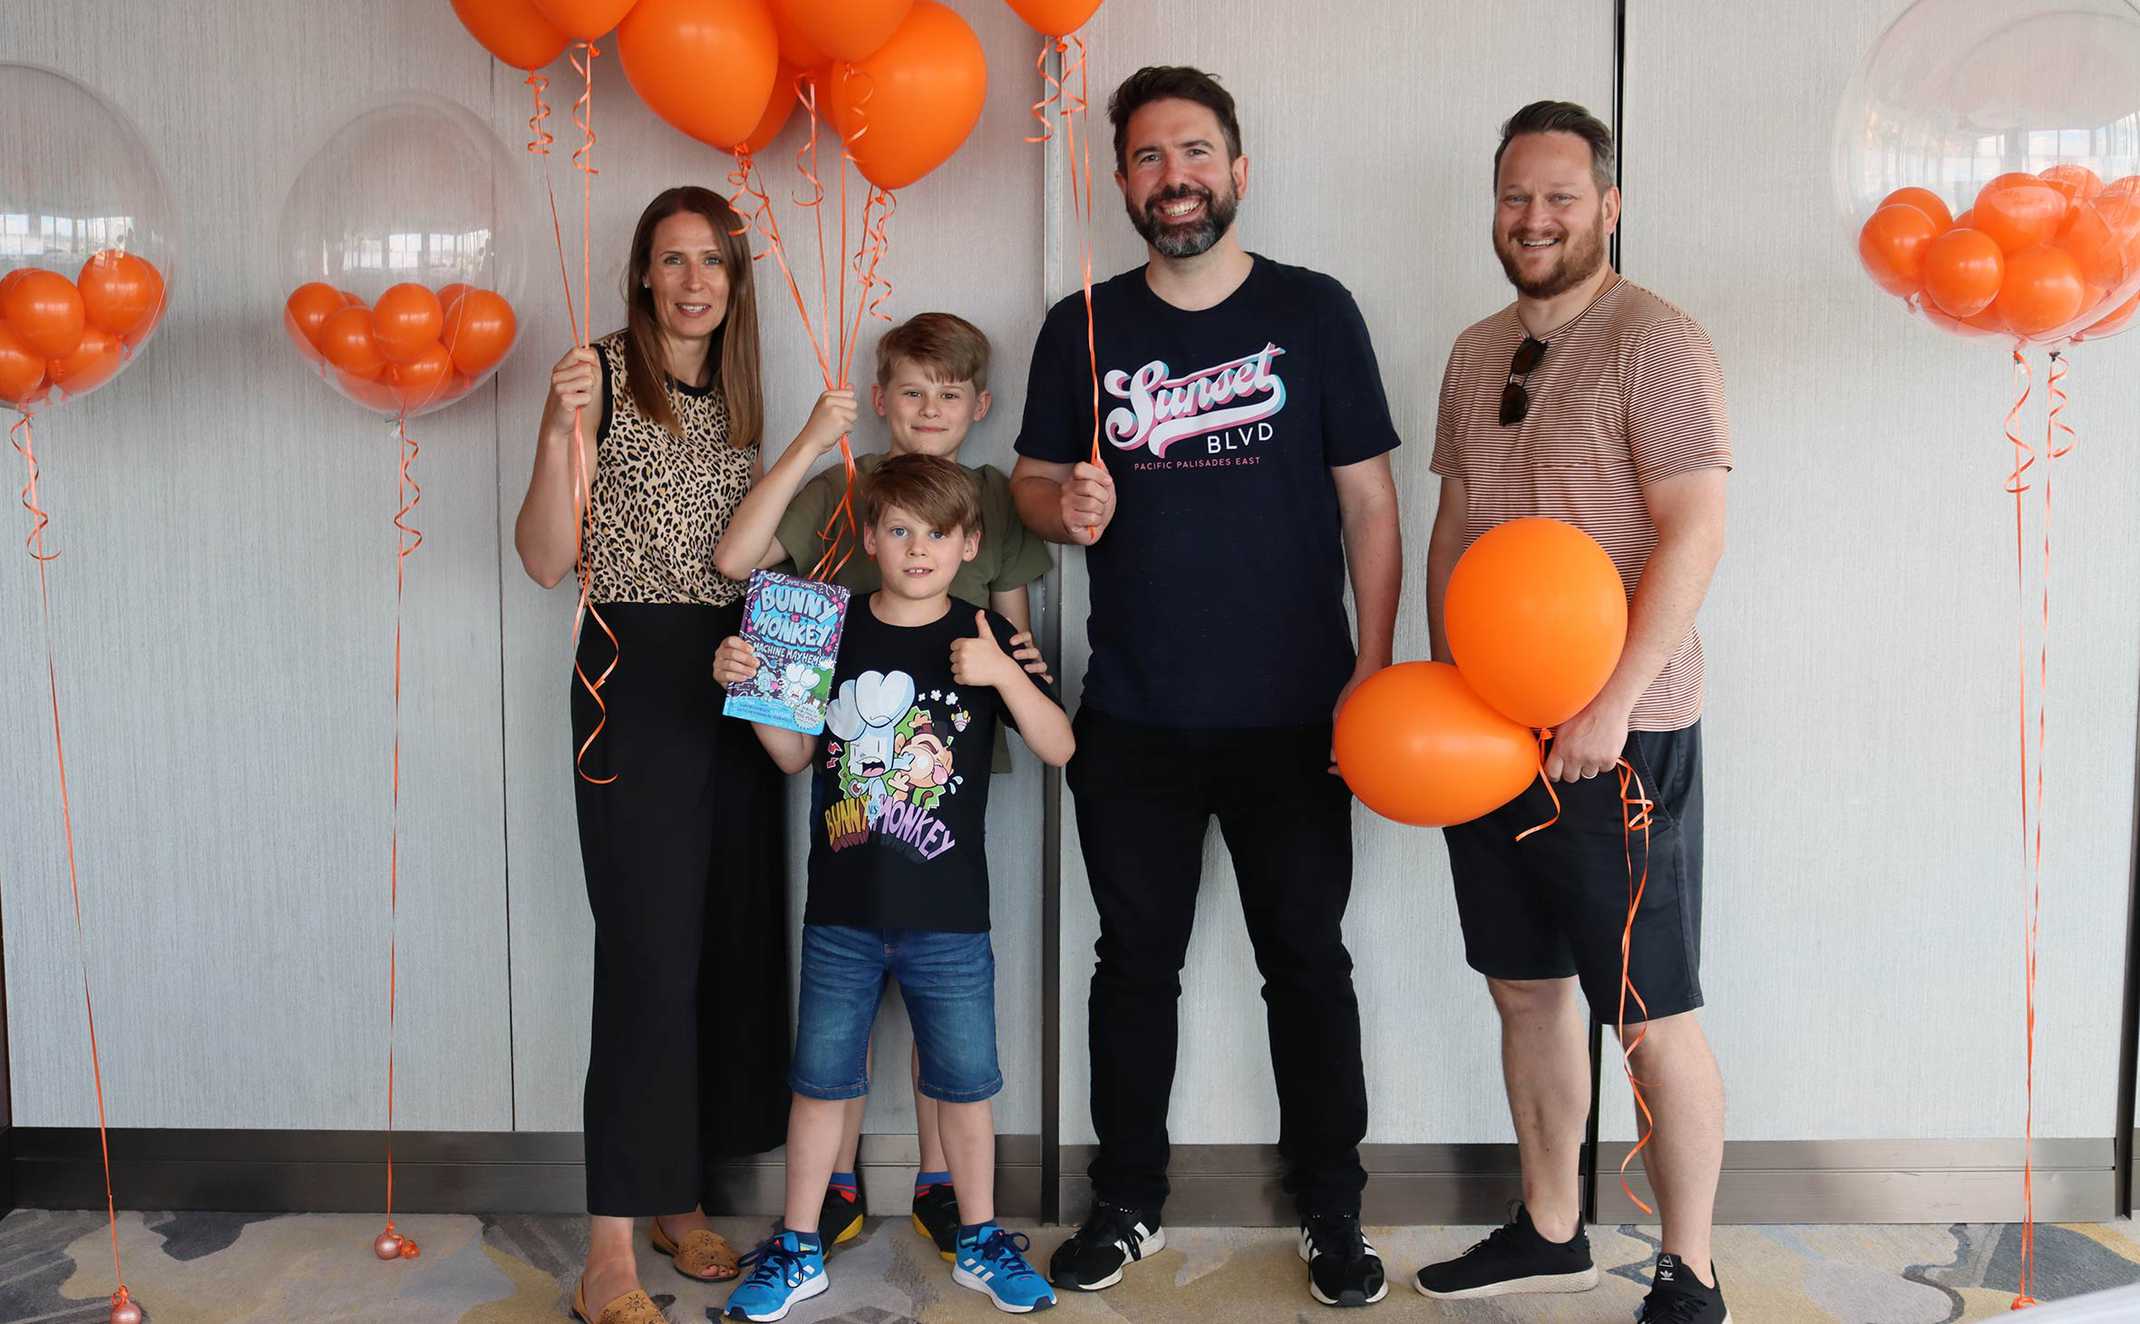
{"type": "Point", "coordinates": [949, 983]}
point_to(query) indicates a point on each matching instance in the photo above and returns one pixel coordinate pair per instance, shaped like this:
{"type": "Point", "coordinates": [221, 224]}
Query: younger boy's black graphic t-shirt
{"type": "Point", "coordinates": [899, 789]}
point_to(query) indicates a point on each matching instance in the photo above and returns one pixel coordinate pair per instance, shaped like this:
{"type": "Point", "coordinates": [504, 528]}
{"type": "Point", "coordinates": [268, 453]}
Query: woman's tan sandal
{"type": "Point", "coordinates": [634, 1307]}
{"type": "Point", "coordinates": [703, 1253]}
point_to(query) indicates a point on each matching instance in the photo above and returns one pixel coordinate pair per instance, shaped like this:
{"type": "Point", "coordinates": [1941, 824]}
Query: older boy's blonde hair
{"type": "Point", "coordinates": [936, 491]}
{"type": "Point", "coordinates": [948, 346]}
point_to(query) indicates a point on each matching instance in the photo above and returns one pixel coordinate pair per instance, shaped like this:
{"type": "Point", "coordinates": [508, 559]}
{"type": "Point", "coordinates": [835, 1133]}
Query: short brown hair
{"type": "Point", "coordinates": [950, 347]}
{"type": "Point", "coordinates": [932, 489]}
{"type": "Point", "coordinates": [1171, 82]}
{"type": "Point", "coordinates": [1562, 117]}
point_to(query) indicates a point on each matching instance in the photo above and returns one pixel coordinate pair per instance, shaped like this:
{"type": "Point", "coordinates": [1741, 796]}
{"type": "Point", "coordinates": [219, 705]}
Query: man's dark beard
{"type": "Point", "coordinates": [1581, 256]}
{"type": "Point", "coordinates": [1189, 240]}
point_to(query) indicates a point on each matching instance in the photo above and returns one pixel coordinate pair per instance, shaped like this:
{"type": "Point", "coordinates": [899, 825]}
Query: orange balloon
{"type": "Point", "coordinates": [2019, 211]}
{"type": "Point", "coordinates": [1055, 18]}
{"type": "Point", "coordinates": [424, 378]}
{"type": "Point", "coordinates": [1924, 200]}
{"type": "Point", "coordinates": [1962, 271]}
{"type": "Point", "coordinates": [121, 293]}
{"type": "Point", "coordinates": [513, 30]}
{"type": "Point", "coordinates": [2112, 324]}
{"type": "Point", "coordinates": [307, 308]}
{"type": "Point", "coordinates": [795, 48]}
{"type": "Point", "coordinates": [378, 394]}
{"type": "Point", "coordinates": [346, 341]}
{"type": "Point", "coordinates": [2077, 182]}
{"type": "Point", "coordinates": [913, 102]}
{"type": "Point", "coordinates": [45, 309]}
{"type": "Point", "coordinates": [448, 293]}
{"type": "Point", "coordinates": [22, 371]}
{"type": "Point", "coordinates": [840, 29]}
{"type": "Point", "coordinates": [2098, 251]}
{"type": "Point", "coordinates": [1418, 746]}
{"type": "Point", "coordinates": [2042, 290]}
{"type": "Point", "coordinates": [1983, 324]}
{"type": "Point", "coordinates": [778, 107]}
{"type": "Point", "coordinates": [406, 320]}
{"type": "Point", "coordinates": [583, 20]}
{"type": "Point", "coordinates": [480, 332]}
{"type": "Point", "coordinates": [1536, 615]}
{"type": "Point", "coordinates": [95, 361]}
{"type": "Point", "coordinates": [705, 66]}
{"type": "Point", "coordinates": [1892, 247]}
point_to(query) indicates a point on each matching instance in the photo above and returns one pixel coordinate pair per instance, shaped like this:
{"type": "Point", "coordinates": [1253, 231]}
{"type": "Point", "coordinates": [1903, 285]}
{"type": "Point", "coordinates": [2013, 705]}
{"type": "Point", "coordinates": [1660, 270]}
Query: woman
{"type": "Point", "coordinates": [683, 848]}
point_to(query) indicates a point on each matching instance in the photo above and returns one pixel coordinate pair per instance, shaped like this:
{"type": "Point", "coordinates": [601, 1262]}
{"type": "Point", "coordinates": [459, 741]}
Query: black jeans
{"type": "Point", "coordinates": [1145, 796]}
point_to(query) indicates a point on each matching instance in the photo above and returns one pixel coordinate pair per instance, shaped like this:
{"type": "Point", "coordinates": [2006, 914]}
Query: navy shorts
{"type": "Point", "coordinates": [1554, 904]}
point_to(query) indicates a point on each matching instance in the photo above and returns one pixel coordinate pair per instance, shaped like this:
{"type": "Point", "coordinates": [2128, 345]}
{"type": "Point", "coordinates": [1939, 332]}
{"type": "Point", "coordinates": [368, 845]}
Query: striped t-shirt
{"type": "Point", "coordinates": [1629, 392]}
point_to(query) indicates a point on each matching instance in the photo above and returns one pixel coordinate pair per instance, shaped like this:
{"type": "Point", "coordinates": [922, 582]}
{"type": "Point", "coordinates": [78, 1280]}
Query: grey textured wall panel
{"type": "Point", "coordinates": [1865, 888]}
{"type": "Point", "coordinates": [224, 624]}
{"type": "Point", "coordinates": [1370, 138]}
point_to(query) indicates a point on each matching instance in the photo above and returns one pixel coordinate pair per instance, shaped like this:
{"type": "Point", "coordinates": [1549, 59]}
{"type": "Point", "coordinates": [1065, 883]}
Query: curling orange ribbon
{"type": "Point", "coordinates": [25, 443]}
{"type": "Point", "coordinates": [1634, 817]}
{"type": "Point", "coordinates": [407, 539]}
{"type": "Point", "coordinates": [1077, 156]}
{"type": "Point", "coordinates": [2024, 458]}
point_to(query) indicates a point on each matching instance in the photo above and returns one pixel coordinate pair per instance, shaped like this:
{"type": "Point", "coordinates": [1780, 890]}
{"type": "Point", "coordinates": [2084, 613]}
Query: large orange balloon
{"type": "Point", "coordinates": [1892, 247]}
{"type": "Point", "coordinates": [2043, 289]}
{"type": "Point", "coordinates": [796, 47]}
{"type": "Point", "coordinates": [842, 29]}
{"type": "Point", "coordinates": [347, 342]}
{"type": "Point", "coordinates": [1536, 615]}
{"type": "Point", "coordinates": [95, 361]}
{"type": "Point", "coordinates": [705, 66]}
{"type": "Point", "coordinates": [913, 102]}
{"type": "Point", "coordinates": [121, 293]}
{"type": "Point", "coordinates": [406, 321]}
{"type": "Point", "coordinates": [2019, 211]}
{"type": "Point", "coordinates": [513, 30]}
{"type": "Point", "coordinates": [1924, 200]}
{"type": "Point", "coordinates": [1418, 746]}
{"type": "Point", "coordinates": [480, 331]}
{"type": "Point", "coordinates": [1962, 271]}
{"type": "Point", "coordinates": [1055, 18]}
{"type": "Point", "coordinates": [778, 108]}
{"type": "Point", "coordinates": [583, 20]}
{"type": "Point", "coordinates": [45, 309]}
{"type": "Point", "coordinates": [22, 371]}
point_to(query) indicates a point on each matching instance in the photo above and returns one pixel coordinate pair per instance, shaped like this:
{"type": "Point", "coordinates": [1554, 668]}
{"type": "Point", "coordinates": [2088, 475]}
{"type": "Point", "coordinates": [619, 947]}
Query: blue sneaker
{"type": "Point", "coordinates": [989, 1261]}
{"type": "Point", "coordinates": [787, 1268]}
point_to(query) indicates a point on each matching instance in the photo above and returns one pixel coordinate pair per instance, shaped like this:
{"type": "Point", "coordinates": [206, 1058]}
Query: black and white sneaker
{"type": "Point", "coordinates": [1344, 1269]}
{"type": "Point", "coordinates": [1678, 1297]}
{"type": "Point", "coordinates": [1513, 1258]}
{"type": "Point", "coordinates": [1094, 1257]}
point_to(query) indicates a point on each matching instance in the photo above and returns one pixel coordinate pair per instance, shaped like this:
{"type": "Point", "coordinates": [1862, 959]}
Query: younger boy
{"type": "Point", "coordinates": [899, 874]}
{"type": "Point", "coordinates": [931, 388]}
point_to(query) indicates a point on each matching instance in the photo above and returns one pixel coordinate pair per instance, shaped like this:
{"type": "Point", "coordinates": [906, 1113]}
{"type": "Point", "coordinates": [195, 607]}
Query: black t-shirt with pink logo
{"type": "Point", "coordinates": [1218, 588]}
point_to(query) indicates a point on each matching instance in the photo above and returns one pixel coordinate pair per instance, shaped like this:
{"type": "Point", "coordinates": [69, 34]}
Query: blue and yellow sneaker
{"type": "Point", "coordinates": [785, 1268]}
{"type": "Point", "coordinates": [989, 1260]}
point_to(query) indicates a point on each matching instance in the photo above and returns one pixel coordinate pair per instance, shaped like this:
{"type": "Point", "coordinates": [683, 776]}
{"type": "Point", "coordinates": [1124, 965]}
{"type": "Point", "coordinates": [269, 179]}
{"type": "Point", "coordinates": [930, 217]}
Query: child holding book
{"type": "Point", "coordinates": [898, 874]}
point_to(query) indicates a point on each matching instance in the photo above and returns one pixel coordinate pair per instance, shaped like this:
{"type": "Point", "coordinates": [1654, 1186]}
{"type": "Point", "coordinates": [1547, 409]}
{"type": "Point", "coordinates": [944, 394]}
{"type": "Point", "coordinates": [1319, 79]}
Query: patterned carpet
{"type": "Point", "coordinates": [226, 1268]}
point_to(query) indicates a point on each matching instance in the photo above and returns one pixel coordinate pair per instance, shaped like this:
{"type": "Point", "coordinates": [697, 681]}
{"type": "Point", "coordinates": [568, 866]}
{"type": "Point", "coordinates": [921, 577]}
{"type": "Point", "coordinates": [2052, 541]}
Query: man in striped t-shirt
{"type": "Point", "coordinates": [1593, 401]}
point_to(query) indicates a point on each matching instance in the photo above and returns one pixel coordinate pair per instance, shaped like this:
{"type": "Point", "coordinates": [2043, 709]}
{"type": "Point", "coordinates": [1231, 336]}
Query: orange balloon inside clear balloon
{"type": "Point", "coordinates": [121, 293]}
{"type": "Point", "coordinates": [480, 331]}
{"type": "Point", "coordinates": [1962, 271]}
{"type": "Point", "coordinates": [22, 370]}
{"type": "Point", "coordinates": [306, 311]}
{"type": "Point", "coordinates": [1418, 746]}
{"type": "Point", "coordinates": [2042, 290]}
{"type": "Point", "coordinates": [45, 309]}
{"type": "Point", "coordinates": [1892, 247]}
{"type": "Point", "coordinates": [406, 319]}
{"type": "Point", "coordinates": [346, 341]}
{"type": "Point", "coordinates": [424, 379]}
{"type": "Point", "coordinates": [96, 359]}
{"type": "Point", "coordinates": [1536, 615]}
{"type": "Point", "coordinates": [1924, 200]}
{"type": "Point", "coordinates": [2019, 211]}
{"type": "Point", "coordinates": [2118, 320]}
{"type": "Point", "coordinates": [2077, 182]}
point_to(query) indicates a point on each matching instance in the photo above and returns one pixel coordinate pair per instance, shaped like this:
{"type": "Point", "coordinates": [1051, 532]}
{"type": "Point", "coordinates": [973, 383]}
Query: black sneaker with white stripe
{"type": "Point", "coordinates": [1678, 1297]}
{"type": "Point", "coordinates": [1113, 1238]}
{"type": "Point", "coordinates": [1344, 1269]}
{"type": "Point", "coordinates": [1513, 1258]}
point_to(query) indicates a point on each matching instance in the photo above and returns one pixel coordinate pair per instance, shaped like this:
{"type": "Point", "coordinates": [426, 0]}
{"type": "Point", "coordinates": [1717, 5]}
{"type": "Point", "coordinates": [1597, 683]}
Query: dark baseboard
{"type": "Point", "coordinates": [434, 1172]}
{"type": "Point", "coordinates": [1239, 1186]}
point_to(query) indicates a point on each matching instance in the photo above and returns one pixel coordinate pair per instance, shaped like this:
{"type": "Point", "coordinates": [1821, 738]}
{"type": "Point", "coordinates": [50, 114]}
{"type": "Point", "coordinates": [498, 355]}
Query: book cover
{"type": "Point", "coordinates": [794, 626]}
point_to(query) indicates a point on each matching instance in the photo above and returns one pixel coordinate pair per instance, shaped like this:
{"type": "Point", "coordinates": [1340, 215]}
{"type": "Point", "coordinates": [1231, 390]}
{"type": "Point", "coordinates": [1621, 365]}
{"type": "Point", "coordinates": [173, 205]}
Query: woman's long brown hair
{"type": "Point", "coordinates": [734, 350]}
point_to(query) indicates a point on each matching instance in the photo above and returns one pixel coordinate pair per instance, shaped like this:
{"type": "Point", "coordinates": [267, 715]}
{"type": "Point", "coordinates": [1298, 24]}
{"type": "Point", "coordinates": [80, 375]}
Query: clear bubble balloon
{"type": "Point", "coordinates": [403, 257]}
{"type": "Point", "coordinates": [88, 240]}
{"type": "Point", "coordinates": [1987, 159]}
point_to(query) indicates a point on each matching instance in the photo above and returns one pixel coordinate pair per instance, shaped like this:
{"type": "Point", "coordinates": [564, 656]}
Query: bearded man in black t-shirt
{"type": "Point", "coordinates": [1242, 471]}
